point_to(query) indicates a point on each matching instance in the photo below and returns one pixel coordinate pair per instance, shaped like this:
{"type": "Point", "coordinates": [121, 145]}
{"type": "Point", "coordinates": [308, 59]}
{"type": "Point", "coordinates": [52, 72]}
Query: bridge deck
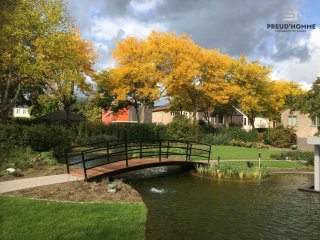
{"type": "Point", "coordinates": [133, 164]}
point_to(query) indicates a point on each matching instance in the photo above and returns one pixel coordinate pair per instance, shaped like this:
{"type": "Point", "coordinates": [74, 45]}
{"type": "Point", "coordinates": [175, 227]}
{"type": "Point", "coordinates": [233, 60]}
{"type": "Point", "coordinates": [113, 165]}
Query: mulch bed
{"type": "Point", "coordinates": [80, 191]}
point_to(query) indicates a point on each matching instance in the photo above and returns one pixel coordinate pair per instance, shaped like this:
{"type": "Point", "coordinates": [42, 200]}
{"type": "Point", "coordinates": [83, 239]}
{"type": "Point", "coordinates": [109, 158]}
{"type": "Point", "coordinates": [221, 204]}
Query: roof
{"type": "Point", "coordinates": [161, 108]}
{"type": "Point", "coordinates": [61, 115]}
{"type": "Point", "coordinates": [24, 106]}
{"type": "Point", "coordinates": [237, 112]}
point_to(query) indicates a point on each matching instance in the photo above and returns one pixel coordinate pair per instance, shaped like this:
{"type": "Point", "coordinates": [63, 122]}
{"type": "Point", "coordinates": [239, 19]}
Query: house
{"type": "Point", "coordinates": [259, 122]}
{"type": "Point", "coordinates": [61, 115]}
{"type": "Point", "coordinates": [21, 112]}
{"type": "Point", "coordinates": [163, 115]}
{"type": "Point", "coordinates": [305, 126]}
{"type": "Point", "coordinates": [125, 115]}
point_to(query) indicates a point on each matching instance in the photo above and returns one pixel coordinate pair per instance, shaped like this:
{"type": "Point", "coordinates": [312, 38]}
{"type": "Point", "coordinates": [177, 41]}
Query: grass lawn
{"type": "Point", "coordinates": [22, 218]}
{"type": "Point", "coordinates": [271, 164]}
{"type": "Point", "coordinates": [241, 153]}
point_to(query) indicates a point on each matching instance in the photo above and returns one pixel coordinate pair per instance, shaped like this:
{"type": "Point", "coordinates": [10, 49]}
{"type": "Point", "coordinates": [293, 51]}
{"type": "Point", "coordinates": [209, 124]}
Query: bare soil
{"type": "Point", "coordinates": [80, 191]}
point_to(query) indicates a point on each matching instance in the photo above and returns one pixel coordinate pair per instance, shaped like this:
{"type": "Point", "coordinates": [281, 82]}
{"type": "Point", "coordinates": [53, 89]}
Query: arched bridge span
{"type": "Point", "coordinates": [111, 158]}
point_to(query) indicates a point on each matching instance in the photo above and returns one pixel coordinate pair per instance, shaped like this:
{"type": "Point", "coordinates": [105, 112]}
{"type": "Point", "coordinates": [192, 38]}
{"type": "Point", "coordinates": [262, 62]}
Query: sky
{"type": "Point", "coordinates": [233, 26]}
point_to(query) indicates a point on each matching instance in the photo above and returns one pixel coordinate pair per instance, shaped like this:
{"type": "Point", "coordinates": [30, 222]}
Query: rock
{"type": "Point", "coordinates": [112, 186]}
{"type": "Point", "coordinates": [10, 170]}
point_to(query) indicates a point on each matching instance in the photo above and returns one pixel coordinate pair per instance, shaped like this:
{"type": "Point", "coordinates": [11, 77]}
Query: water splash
{"type": "Point", "coordinates": [159, 191]}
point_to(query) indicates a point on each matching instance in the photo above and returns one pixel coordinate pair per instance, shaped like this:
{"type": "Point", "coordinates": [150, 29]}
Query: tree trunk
{"type": "Point", "coordinates": [251, 122]}
{"type": "Point", "coordinates": [143, 109]}
{"type": "Point", "coordinates": [226, 122]}
{"type": "Point", "coordinates": [5, 104]}
{"type": "Point", "coordinates": [136, 108]}
{"type": "Point", "coordinates": [194, 112]}
{"type": "Point", "coordinates": [207, 116]}
{"type": "Point", "coordinates": [67, 109]}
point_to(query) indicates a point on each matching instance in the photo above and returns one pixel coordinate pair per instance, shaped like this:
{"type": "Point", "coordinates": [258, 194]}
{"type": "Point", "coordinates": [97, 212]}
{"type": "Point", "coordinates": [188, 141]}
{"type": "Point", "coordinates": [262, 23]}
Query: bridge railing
{"type": "Point", "coordinates": [90, 156]}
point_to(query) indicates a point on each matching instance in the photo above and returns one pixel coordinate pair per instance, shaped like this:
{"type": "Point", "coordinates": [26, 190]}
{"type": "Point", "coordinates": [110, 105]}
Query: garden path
{"type": "Point", "coordinates": [14, 185]}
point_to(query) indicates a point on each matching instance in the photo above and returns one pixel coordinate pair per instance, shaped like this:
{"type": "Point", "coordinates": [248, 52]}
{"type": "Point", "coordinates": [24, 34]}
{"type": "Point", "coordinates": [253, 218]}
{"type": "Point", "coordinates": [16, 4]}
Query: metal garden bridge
{"type": "Point", "coordinates": [105, 159]}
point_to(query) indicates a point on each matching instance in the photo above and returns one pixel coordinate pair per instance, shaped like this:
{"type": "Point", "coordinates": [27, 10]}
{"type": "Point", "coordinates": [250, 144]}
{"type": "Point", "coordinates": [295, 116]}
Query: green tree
{"type": "Point", "coordinates": [44, 105]}
{"type": "Point", "coordinates": [309, 103]}
{"type": "Point", "coordinates": [22, 24]}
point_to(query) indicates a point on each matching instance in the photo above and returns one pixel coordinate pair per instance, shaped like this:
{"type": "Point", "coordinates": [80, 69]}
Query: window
{"type": "Point", "coordinates": [316, 121]}
{"type": "Point", "coordinates": [292, 120]}
{"type": "Point", "coordinates": [218, 119]}
{"type": "Point", "coordinates": [24, 111]}
{"type": "Point", "coordinates": [221, 119]}
{"type": "Point", "coordinates": [174, 113]}
{"type": "Point", "coordinates": [244, 121]}
{"type": "Point", "coordinates": [18, 111]}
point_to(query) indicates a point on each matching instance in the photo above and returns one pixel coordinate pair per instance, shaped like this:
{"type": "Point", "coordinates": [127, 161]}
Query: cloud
{"type": "Point", "coordinates": [106, 28]}
{"type": "Point", "coordinates": [294, 70]}
{"type": "Point", "coordinates": [143, 6]}
{"type": "Point", "coordinates": [233, 26]}
{"type": "Point", "coordinates": [305, 85]}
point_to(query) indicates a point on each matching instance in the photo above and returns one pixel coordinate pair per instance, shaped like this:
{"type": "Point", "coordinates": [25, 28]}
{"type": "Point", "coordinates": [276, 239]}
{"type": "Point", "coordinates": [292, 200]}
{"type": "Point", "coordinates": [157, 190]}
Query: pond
{"type": "Point", "coordinates": [184, 206]}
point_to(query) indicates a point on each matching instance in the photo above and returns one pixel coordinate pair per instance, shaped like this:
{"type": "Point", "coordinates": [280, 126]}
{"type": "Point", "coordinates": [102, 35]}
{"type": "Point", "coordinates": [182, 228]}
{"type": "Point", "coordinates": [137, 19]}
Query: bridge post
{"type": "Point", "coordinates": [190, 149]}
{"type": "Point", "coordinates": [67, 162]}
{"type": "Point", "coordinates": [84, 165]}
{"type": "Point", "coordinates": [108, 157]}
{"type": "Point", "coordinates": [209, 154]}
{"type": "Point", "coordinates": [126, 149]}
{"type": "Point", "coordinates": [187, 151]}
{"type": "Point", "coordinates": [160, 149]}
{"type": "Point", "coordinates": [168, 147]}
{"type": "Point", "coordinates": [140, 148]}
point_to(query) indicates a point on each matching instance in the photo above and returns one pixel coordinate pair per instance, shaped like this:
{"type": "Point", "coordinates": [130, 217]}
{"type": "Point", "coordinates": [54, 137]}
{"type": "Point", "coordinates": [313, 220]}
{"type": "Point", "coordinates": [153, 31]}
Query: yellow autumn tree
{"type": "Point", "coordinates": [218, 89]}
{"type": "Point", "coordinates": [192, 75]}
{"type": "Point", "coordinates": [67, 60]}
{"type": "Point", "coordinates": [171, 64]}
{"type": "Point", "coordinates": [255, 85]}
{"type": "Point", "coordinates": [281, 97]}
{"type": "Point", "coordinates": [136, 77]}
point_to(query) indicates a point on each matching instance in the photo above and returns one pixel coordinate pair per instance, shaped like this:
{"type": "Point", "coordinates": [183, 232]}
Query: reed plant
{"type": "Point", "coordinates": [228, 171]}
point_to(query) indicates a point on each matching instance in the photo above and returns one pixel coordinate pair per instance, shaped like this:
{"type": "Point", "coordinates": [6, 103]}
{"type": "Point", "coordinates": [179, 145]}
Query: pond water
{"type": "Point", "coordinates": [184, 206]}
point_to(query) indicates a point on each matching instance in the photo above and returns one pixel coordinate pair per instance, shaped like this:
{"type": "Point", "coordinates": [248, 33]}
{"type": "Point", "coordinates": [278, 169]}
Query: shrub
{"type": "Point", "coordinates": [93, 139]}
{"type": "Point", "coordinates": [26, 158]}
{"type": "Point", "coordinates": [295, 155]}
{"type": "Point", "coordinates": [39, 137]}
{"type": "Point", "coordinates": [145, 131]}
{"type": "Point", "coordinates": [280, 137]}
{"type": "Point", "coordinates": [239, 134]}
{"type": "Point", "coordinates": [216, 139]}
{"type": "Point", "coordinates": [43, 137]}
{"type": "Point", "coordinates": [231, 136]}
{"type": "Point", "coordinates": [11, 134]}
{"type": "Point", "coordinates": [240, 143]}
{"type": "Point", "coordinates": [179, 128]}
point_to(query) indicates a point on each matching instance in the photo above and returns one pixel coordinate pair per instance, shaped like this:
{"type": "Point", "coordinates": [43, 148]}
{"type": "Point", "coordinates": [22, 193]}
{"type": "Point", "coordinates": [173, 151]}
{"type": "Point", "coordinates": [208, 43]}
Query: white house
{"type": "Point", "coordinates": [21, 112]}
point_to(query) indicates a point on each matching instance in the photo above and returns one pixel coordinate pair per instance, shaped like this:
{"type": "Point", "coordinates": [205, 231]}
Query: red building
{"type": "Point", "coordinates": [127, 115]}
